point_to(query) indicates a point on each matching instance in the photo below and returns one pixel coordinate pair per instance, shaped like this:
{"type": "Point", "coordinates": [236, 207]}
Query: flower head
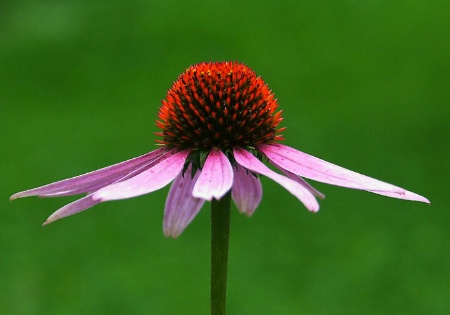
{"type": "Point", "coordinates": [218, 105]}
{"type": "Point", "coordinates": [218, 123]}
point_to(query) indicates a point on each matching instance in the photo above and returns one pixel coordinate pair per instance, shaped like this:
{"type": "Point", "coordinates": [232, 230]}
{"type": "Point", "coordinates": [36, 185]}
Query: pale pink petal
{"type": "Point", "coordinates": [407, 196]}
{"type": "Point", "coordinates": [116, 179]}
{"type": "Point", "coordinates": [94, 180]}
{"type": "Point", "coordinates": [250, 162]}
{"type": "Point", "coordinates": [181, 207]}
{"type": "Point", "coordinates": [314, 168]}
{"type": "Point", "coordinates": [216, 177]}
{"type": "Point", "coordinates": [72, 208]}
{"type": "Point", "coordinates": [301, 181]}
{"type": "Point", "coordinates": [246, 190]}
{"type": "Point", "coordinates": [150, 180]}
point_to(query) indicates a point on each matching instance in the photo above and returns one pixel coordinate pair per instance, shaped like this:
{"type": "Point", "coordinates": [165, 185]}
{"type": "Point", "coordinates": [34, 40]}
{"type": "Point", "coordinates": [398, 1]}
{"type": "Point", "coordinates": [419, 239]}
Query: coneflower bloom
{"type": "Point", "coordinates": [218, 123]}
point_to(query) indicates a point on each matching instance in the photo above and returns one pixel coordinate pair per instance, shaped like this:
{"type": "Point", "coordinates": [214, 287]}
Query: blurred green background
{"type": "Point", "coordinates": [364, 84]}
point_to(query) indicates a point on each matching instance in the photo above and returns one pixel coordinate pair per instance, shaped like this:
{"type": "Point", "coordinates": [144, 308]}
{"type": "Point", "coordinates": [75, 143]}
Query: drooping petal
{"type": "Point", "coordinates": [161, 174]}
{"type": "Point", "coordinates": [301, 181]}
{"type": "Point", "coordinates": [246, 191]}
{"type": "Point", "coordinates": [181, 207]}
{"type": "Point", "coordinates": [114, 179]}
{"type": "Point", "coordinates": [250, 162]}
{"type": "Point", "coordinates": [314, 168]}
{"type": "Point", "coordinates": [93, 180]}
{"type": "Point", "coordinates": [216, 177]}
{"type": "Point", "coordinates": [72, 208]}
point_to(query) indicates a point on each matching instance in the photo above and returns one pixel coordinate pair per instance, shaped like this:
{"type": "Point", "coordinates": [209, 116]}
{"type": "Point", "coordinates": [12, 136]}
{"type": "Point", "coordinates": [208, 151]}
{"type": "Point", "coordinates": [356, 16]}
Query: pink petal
{"type": "Point", "coordinates": [408, 195]}
{"type": "Point", "coordinates": [72, 208]}
{"type": "Point", "coordinates": [250, 162]}
{"type": "Point", "coordinates": [181, 207]}
{"type": "Point", "coordinates": [246, 191]}
{"type": "Point", "coordinates": [150, 180]}
{"type": "Point", "coordinates": [93, 180]}
{"type": "Point", "coordinates": [216, 177]}
{"type": "Point", "coordinates": [314, 168]}
{"type": "Point", "coordinates": [301, 181]}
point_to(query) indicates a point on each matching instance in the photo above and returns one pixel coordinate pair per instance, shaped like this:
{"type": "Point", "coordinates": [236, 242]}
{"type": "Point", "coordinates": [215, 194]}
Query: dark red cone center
{"type": "Point", "coordinates": [219, 104]}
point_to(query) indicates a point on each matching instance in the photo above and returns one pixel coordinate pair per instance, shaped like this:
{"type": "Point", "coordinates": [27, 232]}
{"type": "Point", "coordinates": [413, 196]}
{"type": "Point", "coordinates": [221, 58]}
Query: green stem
{"type": "Point", "coordinates": [220, 235]}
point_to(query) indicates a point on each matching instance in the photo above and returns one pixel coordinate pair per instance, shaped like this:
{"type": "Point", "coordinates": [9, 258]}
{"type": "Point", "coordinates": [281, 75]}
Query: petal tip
{"type": "Point", "coordinates": [50, 219]}
{"type": "Point", "coordinates": [15, 196]}
{"type": "Point", "coordinates": [245, 212]}
{"type": "Point", "coordinates": [98, 196]}
{"type": "Point", "coordinates": [171, 234]}
{"type": "Point", "coordinates": [422, 199]}
{"type": "Point", "coordinates": [425, 200]}
{"type": "Point", "coordinates": [314, 208]}
{"type": "Point", "coordinates": [248, 214]}
{"type": "Point", "coordinates": [199, 194]}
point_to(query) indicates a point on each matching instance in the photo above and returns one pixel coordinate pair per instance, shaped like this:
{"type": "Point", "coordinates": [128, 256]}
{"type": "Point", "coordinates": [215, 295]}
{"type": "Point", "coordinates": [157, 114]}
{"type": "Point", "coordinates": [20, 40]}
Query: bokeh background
{"type": "Point", "coordinates": [364, 84]}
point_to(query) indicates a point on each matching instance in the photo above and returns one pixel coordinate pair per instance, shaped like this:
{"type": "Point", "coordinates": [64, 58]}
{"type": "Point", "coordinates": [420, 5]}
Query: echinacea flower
{"type": "Point", "coordinates": [218, 124]}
